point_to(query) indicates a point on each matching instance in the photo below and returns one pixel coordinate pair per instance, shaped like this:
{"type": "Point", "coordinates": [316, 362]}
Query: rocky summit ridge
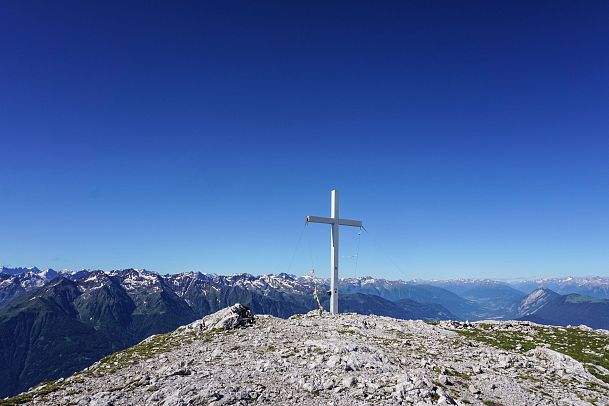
{"type": "Point", "coordinates": [231, 357]}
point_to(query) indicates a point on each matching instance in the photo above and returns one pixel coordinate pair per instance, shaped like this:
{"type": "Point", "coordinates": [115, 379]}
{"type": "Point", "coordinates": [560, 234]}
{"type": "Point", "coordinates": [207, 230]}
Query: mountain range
{"type": "Point", "coordinates": [53, 323]}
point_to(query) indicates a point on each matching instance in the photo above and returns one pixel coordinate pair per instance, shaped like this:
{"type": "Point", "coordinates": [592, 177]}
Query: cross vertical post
{"type": "Point", "coordinates": [334, 255]}
{"type": "Point", "coordinates": [336, 222]}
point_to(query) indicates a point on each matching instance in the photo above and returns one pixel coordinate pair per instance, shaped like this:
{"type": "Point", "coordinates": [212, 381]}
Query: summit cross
{"type": "Point", "coordinates": [335, 221]}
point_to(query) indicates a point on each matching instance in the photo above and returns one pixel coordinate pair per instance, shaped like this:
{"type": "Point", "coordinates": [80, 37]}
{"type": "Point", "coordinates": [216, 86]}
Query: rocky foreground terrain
{"type": "Point", "coordinates": [232, 357]}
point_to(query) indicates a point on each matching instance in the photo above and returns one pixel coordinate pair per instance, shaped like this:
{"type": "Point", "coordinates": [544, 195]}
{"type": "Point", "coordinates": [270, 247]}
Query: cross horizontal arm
{"type": "Point", "coordinates": [315, 219]}
{"type": "Point", "coordinates": [352, 223]}
{"type": "Point", "coordinates": [329, 220]}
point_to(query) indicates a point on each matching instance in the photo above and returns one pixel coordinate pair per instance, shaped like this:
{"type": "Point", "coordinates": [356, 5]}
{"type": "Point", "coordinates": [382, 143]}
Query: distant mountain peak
{"type": "Point", "coordinates": [536, 300]}
{"type": "Point", "coordinates": [18, 270]}
{"type": "Point", "coordinates": [542, 291]}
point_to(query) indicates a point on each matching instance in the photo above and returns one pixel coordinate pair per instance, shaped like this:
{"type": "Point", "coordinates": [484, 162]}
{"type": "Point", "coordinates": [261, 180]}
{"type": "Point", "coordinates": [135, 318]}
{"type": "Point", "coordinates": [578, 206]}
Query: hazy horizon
{"type": "Point", "coordinates": [317, 274]}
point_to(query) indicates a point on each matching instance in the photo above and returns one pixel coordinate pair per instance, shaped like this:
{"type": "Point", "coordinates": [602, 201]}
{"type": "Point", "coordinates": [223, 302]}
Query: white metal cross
{"type": "Point", "coordinates": [335, 221]}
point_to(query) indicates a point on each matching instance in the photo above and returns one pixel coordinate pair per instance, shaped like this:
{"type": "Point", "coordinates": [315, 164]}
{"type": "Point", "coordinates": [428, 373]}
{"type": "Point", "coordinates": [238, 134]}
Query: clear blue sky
{"type": "Point", "coordinates": [472, 138]}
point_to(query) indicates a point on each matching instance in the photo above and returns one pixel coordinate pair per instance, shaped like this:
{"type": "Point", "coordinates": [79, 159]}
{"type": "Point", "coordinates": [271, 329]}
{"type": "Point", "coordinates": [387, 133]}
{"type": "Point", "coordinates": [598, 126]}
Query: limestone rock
{"type": "Point", "coordinates": [228, 318]}
{"type": "Point", "coordinates": [341, 360]}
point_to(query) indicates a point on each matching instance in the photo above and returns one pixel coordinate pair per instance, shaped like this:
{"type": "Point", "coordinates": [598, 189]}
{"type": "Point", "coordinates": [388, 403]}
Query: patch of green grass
{"type": "Point", "coordinates": [391, 341]}
{"type": "Point", "coordinates": [586, 347]}
{"type": "Point", "coordinates": [529, 378]}
{"type": "Point", "coordinates": [583, 299]}
{"type": "Point", "coordinates": [42, 389]}
{"type": "Point", "coordinates": [318, 350]}
{"type": "Point", "coordinates": [266, 349]}
{"type": "Point", "coordinates": [289, 354]}
{"type": "Point", "coordinates": [149, 348]}
{"type": "Point", "coordinates": [507, 340]}
{"type": "Point", "coordinates": [462, 375]}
